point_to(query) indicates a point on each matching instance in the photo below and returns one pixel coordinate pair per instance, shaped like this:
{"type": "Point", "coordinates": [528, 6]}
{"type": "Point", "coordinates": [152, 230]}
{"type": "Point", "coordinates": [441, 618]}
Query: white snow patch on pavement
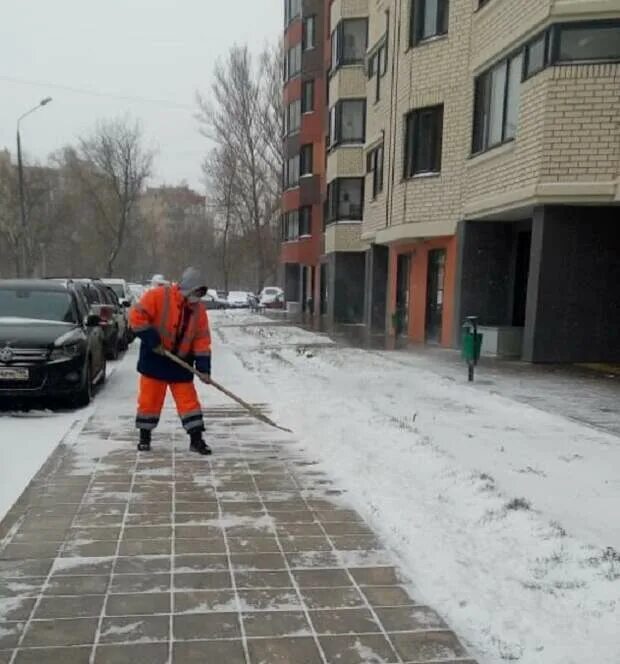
{"type": "Point", "coordinates": [26, 441]}
{"type": "Point", "coordinates": [499, 512]}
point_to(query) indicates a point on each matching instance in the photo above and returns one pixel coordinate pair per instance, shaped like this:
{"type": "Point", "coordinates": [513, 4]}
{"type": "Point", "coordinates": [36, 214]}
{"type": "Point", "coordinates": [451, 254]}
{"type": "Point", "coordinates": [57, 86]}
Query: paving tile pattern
{"type": "Point", "coordinates": [249, 557]}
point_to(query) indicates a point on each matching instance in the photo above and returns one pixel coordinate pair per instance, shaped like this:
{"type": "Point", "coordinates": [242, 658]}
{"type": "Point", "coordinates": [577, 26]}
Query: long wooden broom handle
{"type": "Point", "coordinates": [231, 395]}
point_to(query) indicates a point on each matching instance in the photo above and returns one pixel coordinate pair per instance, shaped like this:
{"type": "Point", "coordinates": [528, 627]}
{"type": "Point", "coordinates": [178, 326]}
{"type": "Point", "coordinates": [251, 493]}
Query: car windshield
{"type": "Point", "coordinates": [119, 289]}
{"type": "Point", "coordinates": [238, 295]}
{"type": "Point", "coordinates": [37, 304]}
{"type": "Point", "coordinates": [271, 291]}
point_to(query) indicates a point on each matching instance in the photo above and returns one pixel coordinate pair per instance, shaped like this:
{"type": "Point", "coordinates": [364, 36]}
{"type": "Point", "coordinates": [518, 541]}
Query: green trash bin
{"type": "Point", "coordinates": [471, 345]}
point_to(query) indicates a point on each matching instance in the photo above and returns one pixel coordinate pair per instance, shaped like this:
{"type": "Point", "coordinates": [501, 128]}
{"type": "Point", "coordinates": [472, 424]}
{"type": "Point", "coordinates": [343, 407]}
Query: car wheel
{"type": "Point", "coordinates": [85, 394]}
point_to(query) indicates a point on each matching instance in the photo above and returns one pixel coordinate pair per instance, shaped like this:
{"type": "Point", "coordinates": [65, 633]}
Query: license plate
{"type": "Point", "coordinates": [13, 373]}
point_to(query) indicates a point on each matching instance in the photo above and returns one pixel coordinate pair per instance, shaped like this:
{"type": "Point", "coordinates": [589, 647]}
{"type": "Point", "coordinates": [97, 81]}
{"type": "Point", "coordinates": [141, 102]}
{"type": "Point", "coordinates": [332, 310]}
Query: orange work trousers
{"type": "Point", "coordinates": [151, 396]}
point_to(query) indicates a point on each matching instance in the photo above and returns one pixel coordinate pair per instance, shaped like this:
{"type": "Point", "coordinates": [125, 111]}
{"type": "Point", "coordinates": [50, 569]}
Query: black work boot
{"type": "Point", "coordinates": [197, 444]}
{"type": "Point", "coordinates": [145, 441]}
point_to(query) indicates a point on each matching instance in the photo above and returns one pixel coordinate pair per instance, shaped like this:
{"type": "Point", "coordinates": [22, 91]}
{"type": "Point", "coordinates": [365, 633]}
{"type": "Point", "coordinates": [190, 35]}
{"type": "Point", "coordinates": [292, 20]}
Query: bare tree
{"type": "Point", "coordinates": [112, 165]}
{"type": "Point", "coordinates": [9, 213]}
{"type": "Point", "coordinates": [221, 173]}
{"type": "Point", "coordinates": [239, 118]}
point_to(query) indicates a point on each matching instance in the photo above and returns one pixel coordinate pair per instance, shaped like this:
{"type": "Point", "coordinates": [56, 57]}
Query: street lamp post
{"type": "Point", "coordinates": [20, 175]}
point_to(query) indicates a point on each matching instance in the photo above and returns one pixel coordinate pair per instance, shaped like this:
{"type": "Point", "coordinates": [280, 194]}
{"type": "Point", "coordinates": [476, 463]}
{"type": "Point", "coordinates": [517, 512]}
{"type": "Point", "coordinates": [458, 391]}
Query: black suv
{"type": "Point", "coordinates": [51, 344]}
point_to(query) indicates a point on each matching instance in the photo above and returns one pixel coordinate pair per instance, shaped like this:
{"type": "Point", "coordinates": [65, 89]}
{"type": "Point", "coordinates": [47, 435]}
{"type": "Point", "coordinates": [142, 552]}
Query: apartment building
{"type": "Point", "coordinates": [304, 150]}
{"type": "Point", "coordinates": [483, 177]}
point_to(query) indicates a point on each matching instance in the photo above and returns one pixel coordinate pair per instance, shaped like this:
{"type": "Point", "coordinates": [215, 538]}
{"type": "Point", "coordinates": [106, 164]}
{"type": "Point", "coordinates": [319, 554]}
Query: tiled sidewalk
{"type": "Point", "coordinates": [248, 557]}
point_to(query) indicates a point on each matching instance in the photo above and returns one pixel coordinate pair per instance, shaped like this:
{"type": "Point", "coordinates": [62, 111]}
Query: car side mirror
{"type": "Point", "coordinates": [125, 303]}
{"type": "Point", "coordinates": [92, 320]}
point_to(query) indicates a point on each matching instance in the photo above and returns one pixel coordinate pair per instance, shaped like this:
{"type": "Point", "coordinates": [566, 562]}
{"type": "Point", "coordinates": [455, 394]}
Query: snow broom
{"type": "Point", "coordinates": [254, 412]}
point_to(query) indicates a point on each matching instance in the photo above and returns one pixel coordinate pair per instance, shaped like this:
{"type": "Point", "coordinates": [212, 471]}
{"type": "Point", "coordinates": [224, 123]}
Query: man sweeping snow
{"type": "Point", "coordinates": [172, 318]}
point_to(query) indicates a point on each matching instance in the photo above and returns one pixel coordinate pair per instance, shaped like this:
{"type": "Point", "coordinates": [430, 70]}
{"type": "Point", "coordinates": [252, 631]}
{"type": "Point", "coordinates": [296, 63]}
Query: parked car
{"type": "Point", "coordinates": [121, 288]}
{"type": "Point", "coordinates": [103, 302]}
{"type": "Point", "coordinates": [51, 344]}
{"type": "Point", "coordinates": [136, 290]}
{"type": "Point", "coordinates": [219, 298]}
{"type": "Point", "coordinates": [121, 314]}
{"type": "Point", "coordinates": [210, 302]}
{"type": "Point", "coordinates": [271, 297]}
{"type": "Point", "coordinates": [238, 299]}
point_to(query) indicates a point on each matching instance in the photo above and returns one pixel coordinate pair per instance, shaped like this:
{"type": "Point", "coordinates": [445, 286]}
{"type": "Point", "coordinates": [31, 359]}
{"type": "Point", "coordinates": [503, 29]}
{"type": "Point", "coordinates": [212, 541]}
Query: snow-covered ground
{"type": "Point", "coordinates": [504, 516]}
{"type": "Point", "coordinates": [26, 441]}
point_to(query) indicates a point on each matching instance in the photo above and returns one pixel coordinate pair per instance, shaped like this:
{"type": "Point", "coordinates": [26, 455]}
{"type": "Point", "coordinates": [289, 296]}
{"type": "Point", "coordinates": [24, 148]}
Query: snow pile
{"type": "Point", "coordinates": [500, 513]}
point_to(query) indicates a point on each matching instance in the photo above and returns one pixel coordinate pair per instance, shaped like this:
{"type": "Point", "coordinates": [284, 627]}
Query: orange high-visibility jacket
{"type": "Point", "coordinates": [156, 319]}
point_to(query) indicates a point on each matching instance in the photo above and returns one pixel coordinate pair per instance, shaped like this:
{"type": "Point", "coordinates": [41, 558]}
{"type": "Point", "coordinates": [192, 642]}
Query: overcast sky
{"type": "Point", "coordinates": [152, 49]}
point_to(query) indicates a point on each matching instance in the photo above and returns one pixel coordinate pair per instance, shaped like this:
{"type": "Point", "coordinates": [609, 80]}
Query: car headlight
{"type": "Point", "coordinates": [65, 352]}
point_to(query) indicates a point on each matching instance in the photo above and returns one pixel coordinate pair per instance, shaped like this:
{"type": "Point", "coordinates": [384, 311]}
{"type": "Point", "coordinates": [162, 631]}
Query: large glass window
{"type": "Point", "coordinates": [423, 141]}
{"type": "Point", "coordinates": [496, 104]}
{"type": "Point", "coordinates": [307, 97]}
{"type": "Point", "coordinates": [305, 221]}
{"type": "Point", "coordinates": [375, 168]}
{"type": "Point", "coordinates": [345, 199]}
{"type": "Point", "coordinates": [292, 117]}
{"type": "Point", "coordinates": [292, 9]}
{"type": "Point", "coordinates": [290, 226]}
{"type": "Point", "coordinates": [348, 121]}
{"type": "Point", "coordinates": [305, 159]}
{"type": "Point", "coordinates": [429, 18]}
{"type": "Point", "coordinates": [349, 42]}
{"type": "Point", "coordinates": [595, 41]}
{"type": "Point", "coordinates": [536, 55]}
{"type": "Point", "coordinates": [292, 62]}
{"type": "Point", "coordinates": [291, 172]}
{"type": "Point", "coordinates": [515, 69]}
{"type": "Point", "coordinates": [309, 33]}
{"type": "Point", "coordinates": [377, 66]}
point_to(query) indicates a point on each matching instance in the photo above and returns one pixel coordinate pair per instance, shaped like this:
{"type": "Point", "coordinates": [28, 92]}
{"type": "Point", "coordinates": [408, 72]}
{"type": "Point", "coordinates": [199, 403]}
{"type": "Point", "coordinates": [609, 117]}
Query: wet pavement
{"type": "Point", "coordinates": [251, 556]}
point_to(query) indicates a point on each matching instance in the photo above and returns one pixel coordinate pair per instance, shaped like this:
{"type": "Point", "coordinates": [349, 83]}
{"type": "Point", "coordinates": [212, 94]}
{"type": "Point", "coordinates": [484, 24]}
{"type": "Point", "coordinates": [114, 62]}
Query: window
{"type": "Point", "coordinates": [292, 117]}
{"type": "Point", "coordinates": [515, 68]}
{"type": "Point", "coordinates": [290, 226]}
{"type": "Point", "coordinates": [307, 97]}
{"type": "Point", "coordinates": [305, 160]}
{"type": "Point", "coordinates": [291, 172]}
{"type": "Point", "coordinates": [347, 122]}
{"type": "Point", "coordinates": [594, 41]}
{"type": "Point", "coordinates": [309, 33]}
{"type": "Point", "coordinates": [496, 104]}
{"type": "Point", "coordinates": [423, 141]}
{"type": "Point", "coordinates": [292, 62]}
{"type": "Point", "coordinates": [292, 9]}
{"type": "Point", "coordinates": [296, 224]}
{"type": "Point", "coordinates": [305, 221]}
{"type": "Point", "coordinates": [429, 18]}
{"type": "Point", "coordinates": [536, 55]}
{"type": "Point", "coordinates": [349, 41]}
{"type": "Point", "coordinates": [345, 199]}
{"type": "Point", "coordinates": [375, 166]}
{"type": "Point", "coordinates": [377, 66]}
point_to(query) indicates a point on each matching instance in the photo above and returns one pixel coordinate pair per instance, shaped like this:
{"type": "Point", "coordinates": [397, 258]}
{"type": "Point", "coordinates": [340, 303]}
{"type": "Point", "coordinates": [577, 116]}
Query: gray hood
{"type": "Point", "coordinates": [191, 280]}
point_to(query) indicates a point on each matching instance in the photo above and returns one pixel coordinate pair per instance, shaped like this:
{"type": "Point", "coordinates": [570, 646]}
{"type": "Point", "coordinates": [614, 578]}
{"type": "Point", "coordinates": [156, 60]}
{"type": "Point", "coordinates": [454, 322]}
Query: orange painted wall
{"type": "Point", "coordinates": [418, 286]}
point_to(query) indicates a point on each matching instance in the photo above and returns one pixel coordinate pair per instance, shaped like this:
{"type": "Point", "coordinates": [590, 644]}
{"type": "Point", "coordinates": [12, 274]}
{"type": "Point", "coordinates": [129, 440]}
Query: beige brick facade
{"type": "Point", "coordinates": [567, 143]}
{"type": "Point", "coordinates": [346, 82]}
{"type": "Point", "coordinates": [345, 162]}
{"type": "Point", "coordinates": [344, 236]}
